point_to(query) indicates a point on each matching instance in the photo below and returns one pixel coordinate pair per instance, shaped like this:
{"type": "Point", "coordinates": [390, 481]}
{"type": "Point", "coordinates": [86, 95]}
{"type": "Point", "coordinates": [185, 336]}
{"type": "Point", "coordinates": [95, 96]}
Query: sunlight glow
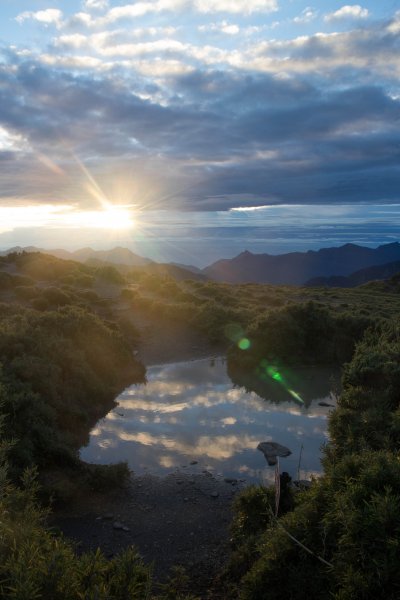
{"type": "Point", "coordinates": [110, 217]}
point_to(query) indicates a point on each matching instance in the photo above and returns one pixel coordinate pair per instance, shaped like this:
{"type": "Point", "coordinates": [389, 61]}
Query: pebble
{"type": "Point", "coordinates": [186, 499]}
{"type": "Point", "coordinates": [108, 516]}
{"type": "Point", "coordinates": [214, 494]}
{"type": "Point", "coordinates": [179, 481]}
{"type": "Point", "coordinates": [118, 525]}
{"type": "Point", "coordinates": [194, 462]}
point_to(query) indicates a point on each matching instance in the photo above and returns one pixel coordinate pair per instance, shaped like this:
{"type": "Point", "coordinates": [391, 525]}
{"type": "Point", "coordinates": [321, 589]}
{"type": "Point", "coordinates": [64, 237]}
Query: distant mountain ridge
{"type": "Point", "coordinates": [118, 255]}
{"type": "Point", "coordinates": [296, 268]}
{"type": "Point", "coordinates": [375, 273]}
{"type": "Point", "coordinates": [123, 259]}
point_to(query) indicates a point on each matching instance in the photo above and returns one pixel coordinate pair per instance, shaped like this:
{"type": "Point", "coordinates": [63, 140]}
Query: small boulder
{"type": "Point", "coordinates": [271, 450]}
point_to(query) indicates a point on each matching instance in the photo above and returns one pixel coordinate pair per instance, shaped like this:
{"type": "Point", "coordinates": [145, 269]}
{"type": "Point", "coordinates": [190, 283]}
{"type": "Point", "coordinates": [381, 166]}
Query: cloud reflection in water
{"type": "Point", "coordinates": [191, 411]}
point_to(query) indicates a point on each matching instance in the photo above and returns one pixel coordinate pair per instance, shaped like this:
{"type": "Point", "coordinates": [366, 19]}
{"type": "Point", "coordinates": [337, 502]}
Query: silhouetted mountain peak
{"type": "Point", "coordinates": [298, 267]}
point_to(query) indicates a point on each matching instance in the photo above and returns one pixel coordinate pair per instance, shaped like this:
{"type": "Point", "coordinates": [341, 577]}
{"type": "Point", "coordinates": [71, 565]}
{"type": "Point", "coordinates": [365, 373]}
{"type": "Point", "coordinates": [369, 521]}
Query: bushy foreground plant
{"type": "Point", "coordinates": [60, 371]}
{"type": "Point", "coordinates": [34, 563]}
{"type": "Point", "coordinates": [342, 540]}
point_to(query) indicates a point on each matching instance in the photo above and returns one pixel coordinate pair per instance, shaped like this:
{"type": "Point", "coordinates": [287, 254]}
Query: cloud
{"type": "Point", "coordinates": [50, 16]}
{"type": "Point", "coordinates": [245, 7]}
{"type": "Point", "coordinates": [201, 126]}
{"type": "Point", "coordinates": [222, 27]}
{"type": "Point", "coordinates": [219, 138]}
{"type": "Point", "coordinates": [307, 15]}
{"type": "Point", "coordinates": [145, 7]}
{"type": "Point", "coordinates": [95, 4]}
{"type": "Point", "coordinates": [354, 11]}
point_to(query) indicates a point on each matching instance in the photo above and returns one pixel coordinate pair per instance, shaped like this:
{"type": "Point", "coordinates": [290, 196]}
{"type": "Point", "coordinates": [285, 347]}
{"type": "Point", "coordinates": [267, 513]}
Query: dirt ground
{"type": "Point", "coordinates": [181, 519]}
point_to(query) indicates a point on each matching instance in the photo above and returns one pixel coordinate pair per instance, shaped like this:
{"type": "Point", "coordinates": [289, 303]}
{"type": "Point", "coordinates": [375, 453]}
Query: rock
{"type": "Point", "coordinates": [108, 516]}
{"type": "Point", "coordinates": [186, 499]}
{"type": "Point", "coordinates": [326, 404]}
{"type": "Point", "coordinates": [214, 494]}
{"type": "Point", "coordinates": [117, 525]}
{"type": "Point", "coordinates": [193, 462]}
{"type": "Point", "coordinates": [125, 528]}
{"type": "Point", "coordinates": [271, 450]}
{"type": "Point", "coordinates": [179, 481]}
{"type": "Point", "coordinates": [231, 480]}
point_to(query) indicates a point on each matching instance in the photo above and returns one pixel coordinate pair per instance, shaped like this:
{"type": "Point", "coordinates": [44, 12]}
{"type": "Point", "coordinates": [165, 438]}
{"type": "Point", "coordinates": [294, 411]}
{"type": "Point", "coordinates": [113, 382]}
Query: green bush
{"type": "Point", "coordinates": [110, 275]}
{"type": "Point", "coordinates": [350, 518]}
{"type": "Point", "coordinates": [34, 563]}
{"type": "Point", "coordinates": [61, 370]}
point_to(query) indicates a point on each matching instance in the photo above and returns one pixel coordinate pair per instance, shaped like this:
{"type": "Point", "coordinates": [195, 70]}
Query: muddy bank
{"type": "Point", "coordinates": [181, 519]}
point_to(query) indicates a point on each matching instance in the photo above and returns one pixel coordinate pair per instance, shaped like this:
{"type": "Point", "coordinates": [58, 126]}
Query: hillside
{"type": "Point", "coordinates": [123, 259]}
{"type": "Point", "coordinates": [377, 272]}
{"type": "Point", "coordinates": [119, 255]}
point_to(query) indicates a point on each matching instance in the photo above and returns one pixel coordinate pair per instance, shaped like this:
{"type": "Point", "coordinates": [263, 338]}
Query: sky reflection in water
{"type": "Point", "coordinates": [190, 411]}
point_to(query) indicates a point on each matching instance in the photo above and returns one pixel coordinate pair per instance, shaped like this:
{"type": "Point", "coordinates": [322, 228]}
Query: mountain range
{"type": "Point", "coordinates": [375, 273]}
{"type": "Point", "coordinates": [297, 268]}
{"type": "Point", "coordinates": [343, 266]}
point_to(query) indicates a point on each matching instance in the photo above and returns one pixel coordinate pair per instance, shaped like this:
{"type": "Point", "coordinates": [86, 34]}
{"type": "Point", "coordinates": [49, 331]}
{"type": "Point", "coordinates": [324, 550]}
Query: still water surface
{"type": "Point", "coordinates": [191, 411]}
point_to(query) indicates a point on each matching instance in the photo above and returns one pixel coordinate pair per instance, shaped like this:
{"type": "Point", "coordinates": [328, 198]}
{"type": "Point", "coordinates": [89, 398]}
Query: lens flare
{"type": "Point", "coordinates": [266, 370]}
{"type": "Point", "coordinates": [244, 344]}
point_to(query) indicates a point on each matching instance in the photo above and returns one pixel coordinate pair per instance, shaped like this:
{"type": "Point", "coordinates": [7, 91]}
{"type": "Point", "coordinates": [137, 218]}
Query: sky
{"type": "Point", "coordinates": [191, 130]}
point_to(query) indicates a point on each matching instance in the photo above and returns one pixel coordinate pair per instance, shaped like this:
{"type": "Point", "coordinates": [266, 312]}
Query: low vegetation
{"type": "Point", "coordinates": [67, 346]}
{"type": "Point", "coordinates": [350, 518]}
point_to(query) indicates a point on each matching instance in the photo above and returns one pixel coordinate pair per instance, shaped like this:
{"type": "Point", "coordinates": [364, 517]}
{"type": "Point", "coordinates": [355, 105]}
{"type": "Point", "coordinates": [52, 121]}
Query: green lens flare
{"type": "Point", "coordinates": [296, 396]}
{"type": "Point", "coordinates": [244, 344]}
{"type": "Point", "coordinates": [273, 372]}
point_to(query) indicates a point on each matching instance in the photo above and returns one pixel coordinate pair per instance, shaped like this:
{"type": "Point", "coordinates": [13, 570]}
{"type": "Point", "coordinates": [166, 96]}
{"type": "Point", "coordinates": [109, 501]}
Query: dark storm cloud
{"type": "Point", "coordinates": [212, 138]}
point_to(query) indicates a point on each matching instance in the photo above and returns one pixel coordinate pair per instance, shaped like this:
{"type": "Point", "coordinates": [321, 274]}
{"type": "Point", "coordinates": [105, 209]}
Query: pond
{"type": "Point", "coordinates": [189, 416]}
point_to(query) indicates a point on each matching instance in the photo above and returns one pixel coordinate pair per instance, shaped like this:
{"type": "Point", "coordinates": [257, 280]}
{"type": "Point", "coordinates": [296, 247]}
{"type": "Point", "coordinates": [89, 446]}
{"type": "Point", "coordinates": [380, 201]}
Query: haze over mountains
{"type": "Point", "coordinates": [344, 266]}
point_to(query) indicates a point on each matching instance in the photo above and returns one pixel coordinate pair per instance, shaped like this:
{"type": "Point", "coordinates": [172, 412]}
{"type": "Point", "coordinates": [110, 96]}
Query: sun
{"type": "Point", "coordinates": [111, 217]}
